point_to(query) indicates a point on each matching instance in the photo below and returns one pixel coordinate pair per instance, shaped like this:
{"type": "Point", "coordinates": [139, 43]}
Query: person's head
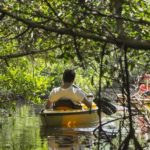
{"type": "Point", "coordinates": [68, 76]}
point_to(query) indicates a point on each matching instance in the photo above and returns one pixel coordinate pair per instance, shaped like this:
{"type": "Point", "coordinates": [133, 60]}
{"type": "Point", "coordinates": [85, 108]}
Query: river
{"type": "Point", "coordinates": [22, 130]}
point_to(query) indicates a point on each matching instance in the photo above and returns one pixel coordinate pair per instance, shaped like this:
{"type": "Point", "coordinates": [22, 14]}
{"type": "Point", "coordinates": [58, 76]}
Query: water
{"type": "Point", "coordinates": [68, 139]}
{"type": "Point", "coordinates": [22, 130]}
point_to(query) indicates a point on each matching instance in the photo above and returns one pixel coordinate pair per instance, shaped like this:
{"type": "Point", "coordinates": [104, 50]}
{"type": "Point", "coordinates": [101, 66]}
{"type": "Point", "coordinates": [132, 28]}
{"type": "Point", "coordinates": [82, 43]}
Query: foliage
{"type": "Point", "coordinates": [106, 42]}
{"type": "Point", "coordinates": [73, 34]}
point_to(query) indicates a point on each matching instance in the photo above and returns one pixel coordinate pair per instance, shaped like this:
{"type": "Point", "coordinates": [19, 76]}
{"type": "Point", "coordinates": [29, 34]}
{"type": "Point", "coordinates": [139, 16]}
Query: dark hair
{"type": "Point", "coordinates": [68, 75]}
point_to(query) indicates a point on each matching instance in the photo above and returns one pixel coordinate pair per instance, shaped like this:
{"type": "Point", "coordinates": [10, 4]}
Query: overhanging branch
{"type": "Point", "coordinates": [33, 52]}
{"type": "Point", "coordinates": [130, 43]}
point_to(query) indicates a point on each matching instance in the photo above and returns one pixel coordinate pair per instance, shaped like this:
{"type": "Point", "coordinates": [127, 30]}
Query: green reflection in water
{"type": "Point", "coordinates": [21, 131]}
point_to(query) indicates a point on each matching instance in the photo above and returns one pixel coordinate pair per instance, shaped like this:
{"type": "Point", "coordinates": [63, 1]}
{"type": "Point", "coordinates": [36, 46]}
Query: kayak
{"type": "Point", "coordinates": [62, 117]}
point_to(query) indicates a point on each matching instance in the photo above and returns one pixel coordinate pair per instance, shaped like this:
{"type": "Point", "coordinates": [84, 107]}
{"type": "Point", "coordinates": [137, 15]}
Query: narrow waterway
{"type": "Point", "coordinates": [22, 130]}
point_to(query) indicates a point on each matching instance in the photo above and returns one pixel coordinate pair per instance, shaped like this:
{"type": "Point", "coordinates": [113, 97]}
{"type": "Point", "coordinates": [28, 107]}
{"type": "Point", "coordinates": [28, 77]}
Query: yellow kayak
{"type": "Point", "coordinates": [63, 117]}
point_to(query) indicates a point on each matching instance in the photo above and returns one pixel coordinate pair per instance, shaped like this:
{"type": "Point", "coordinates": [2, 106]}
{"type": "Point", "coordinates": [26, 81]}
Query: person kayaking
{"type": "Point", "coordinates": [68, 91]}
{"type": "Point", "coordinates": [144, 87]}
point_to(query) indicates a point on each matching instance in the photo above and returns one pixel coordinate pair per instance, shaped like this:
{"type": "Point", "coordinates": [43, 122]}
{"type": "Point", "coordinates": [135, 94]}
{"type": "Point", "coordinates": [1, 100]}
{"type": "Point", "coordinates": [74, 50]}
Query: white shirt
{"type": "Point", "coordinates": [73, 93]}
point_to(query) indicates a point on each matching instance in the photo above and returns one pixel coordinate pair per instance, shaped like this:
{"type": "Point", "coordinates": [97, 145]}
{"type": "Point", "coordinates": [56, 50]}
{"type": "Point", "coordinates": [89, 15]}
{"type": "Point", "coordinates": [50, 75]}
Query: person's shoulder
{"type": "Point", "coordinates": [55, 89]}
{"type": "Point", "coordinates": [75, 87]}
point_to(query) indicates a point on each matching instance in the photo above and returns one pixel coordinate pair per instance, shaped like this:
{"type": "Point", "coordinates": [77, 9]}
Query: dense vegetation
{"type": "Point", "coordinates": [37, 36]}
{"type": "Point", "coordinates": [106, 42]}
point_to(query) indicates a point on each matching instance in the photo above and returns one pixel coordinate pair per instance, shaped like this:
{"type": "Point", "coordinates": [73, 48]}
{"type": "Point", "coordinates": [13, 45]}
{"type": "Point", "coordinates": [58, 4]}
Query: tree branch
{"type": "Point", "coordinates": [130, 43]}
{"type": "Point", "coordinates": [33, 52]}
{"type": "Point", "coordinates": [21, 34]}
{"type": "Point", "coordinates": [138, 21]}
{"type": "Point", "coordinates": [49, 5]}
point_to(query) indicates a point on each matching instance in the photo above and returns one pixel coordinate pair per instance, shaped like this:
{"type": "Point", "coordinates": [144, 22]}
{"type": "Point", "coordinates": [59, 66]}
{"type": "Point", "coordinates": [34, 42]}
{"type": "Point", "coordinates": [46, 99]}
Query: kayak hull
{"type": "Point", "coordinates": [70, 118]}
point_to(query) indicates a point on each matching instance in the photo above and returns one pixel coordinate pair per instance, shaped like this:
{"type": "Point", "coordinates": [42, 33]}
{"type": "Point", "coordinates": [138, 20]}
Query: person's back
{"type": "Point", "coordinates": [68, 91]}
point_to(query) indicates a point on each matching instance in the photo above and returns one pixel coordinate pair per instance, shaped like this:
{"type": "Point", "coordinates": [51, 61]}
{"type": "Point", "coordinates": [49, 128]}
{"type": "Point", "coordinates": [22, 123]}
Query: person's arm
{"type": "Point", "coordinates": [84, 98]}
{"type": "Point", "coordinates": [48, 105]}
{"type": "Point", "coordinates": [51, 99]}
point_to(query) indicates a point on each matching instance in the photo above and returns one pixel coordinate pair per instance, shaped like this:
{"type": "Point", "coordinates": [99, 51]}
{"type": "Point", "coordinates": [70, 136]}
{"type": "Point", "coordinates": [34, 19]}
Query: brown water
{"type": "Point", "coordinates": [23, 131]}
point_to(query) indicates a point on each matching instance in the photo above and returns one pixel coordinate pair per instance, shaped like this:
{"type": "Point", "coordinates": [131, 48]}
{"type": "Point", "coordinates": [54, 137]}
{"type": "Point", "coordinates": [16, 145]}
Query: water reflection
{"type": "Point", "coordinates": [20, 131]}
{"type": "Point", "coordinates": [67, 138]}
{"type": "Point", "coordinates": [23, 131]}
